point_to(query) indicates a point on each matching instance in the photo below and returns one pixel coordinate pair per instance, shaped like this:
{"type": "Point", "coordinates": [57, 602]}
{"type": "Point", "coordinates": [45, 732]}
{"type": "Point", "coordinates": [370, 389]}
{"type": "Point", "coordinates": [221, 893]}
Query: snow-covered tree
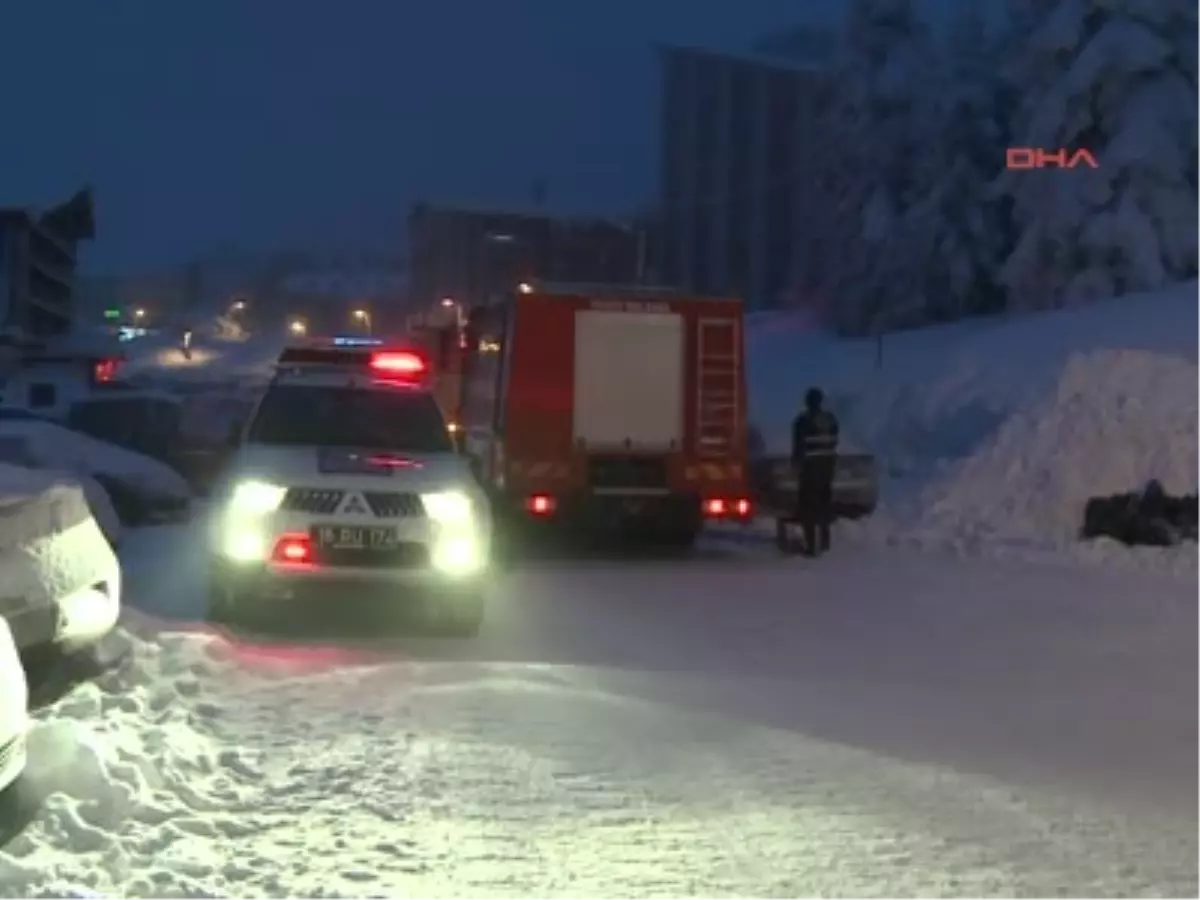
{"type": "Point", "coordinates": [962, 228]}
{"type": "Point", "coordinates": [885, 81]}
{"type": "Point", "coordinates": [1117, 78]}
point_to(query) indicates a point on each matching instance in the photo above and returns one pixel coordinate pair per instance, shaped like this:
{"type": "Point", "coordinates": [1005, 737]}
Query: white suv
{"type": "Point", "coordinates": [347, 480]}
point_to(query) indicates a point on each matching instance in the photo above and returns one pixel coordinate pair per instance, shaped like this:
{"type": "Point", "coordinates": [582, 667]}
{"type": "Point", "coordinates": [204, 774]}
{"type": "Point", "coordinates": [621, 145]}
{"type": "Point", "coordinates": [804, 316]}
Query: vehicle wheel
{"type": "Point", "coordinates": [460, 615]}
{"type": "Point", "coordinates": [222, 606]}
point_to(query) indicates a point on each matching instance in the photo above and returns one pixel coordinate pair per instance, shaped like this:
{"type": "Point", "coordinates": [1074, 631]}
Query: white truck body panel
{"type": "Point", "coordinates": [629, 380]}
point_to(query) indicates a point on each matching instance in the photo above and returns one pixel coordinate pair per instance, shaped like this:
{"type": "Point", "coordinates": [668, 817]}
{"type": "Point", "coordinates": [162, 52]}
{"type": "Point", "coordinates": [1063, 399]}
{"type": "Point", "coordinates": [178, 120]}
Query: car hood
{"type": "Point", "coordinates": [352, 468]}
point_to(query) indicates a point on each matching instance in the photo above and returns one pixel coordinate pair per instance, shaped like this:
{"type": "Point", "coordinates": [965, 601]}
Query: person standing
{"type": "Point", "coordinates": [814, 457]}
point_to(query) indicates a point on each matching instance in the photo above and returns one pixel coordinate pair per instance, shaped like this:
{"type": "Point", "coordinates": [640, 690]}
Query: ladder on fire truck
{"type": "Point", "coordinates": [718, 385]}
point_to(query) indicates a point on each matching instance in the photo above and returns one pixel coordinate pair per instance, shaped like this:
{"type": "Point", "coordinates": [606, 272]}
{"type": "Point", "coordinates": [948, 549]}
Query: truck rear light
{"type": "Point", "coordinates": [720, 508]}
{"type": "Point", "coordinates": [293, 548]}
{"type": "Point", "coordinates": [540, 504]}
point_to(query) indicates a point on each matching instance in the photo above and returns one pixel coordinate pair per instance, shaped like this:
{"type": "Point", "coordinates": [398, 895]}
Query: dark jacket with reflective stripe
{"type": "Point", "coordinates": [814, 445]}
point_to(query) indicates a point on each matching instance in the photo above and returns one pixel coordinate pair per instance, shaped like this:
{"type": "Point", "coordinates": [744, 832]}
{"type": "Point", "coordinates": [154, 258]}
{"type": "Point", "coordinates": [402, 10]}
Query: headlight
{"type": "Point", "coordinates": [449, 508]}
{"type": "Point", "coordinates": [256, 497]}
{"type": "Point", "coordinates": [459, 556]}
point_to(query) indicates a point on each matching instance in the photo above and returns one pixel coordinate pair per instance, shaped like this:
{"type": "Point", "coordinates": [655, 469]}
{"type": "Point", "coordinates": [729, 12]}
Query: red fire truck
{"type": "Point", "coordinates": [619, 408]}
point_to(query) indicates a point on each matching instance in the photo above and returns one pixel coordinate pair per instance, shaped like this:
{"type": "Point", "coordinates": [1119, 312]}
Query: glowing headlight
{"type": "Point", "coordinates": [256, 497]}
{"type": "Point", "coordinates": [449, 507]}
{"type": "Point", "coordinates": [459, 556]}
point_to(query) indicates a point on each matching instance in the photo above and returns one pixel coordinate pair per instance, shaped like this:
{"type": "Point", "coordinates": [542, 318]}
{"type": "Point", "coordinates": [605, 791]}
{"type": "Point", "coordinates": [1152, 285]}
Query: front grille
{"type": "Point", "coordinates": [321, 501]}
{"type": "Point", "coordinates": [403, 556]}
{"type": "Point", "coordinates": [394, 505]}
{"type": "Point", "coordinates": [627, 472]}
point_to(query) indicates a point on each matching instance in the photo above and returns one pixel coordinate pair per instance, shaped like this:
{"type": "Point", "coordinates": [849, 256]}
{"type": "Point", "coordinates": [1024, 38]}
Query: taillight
{"type": "Point", "coordinates": [540, 504]}
{"type": "Point", "coordinates": [293, 548]}
{"type": "Point", "coordinates": [720, 508]}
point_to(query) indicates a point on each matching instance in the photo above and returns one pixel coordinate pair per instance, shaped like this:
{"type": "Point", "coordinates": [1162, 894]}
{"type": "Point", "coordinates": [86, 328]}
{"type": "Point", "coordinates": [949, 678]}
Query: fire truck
{"type": "Point", "coordinates": [601, 408]}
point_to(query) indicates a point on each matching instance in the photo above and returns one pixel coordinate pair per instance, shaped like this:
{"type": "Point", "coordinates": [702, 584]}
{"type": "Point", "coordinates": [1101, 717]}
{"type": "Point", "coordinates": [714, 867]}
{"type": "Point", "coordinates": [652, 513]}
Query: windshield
{"type": "Point", "coordinates": [311, 416]}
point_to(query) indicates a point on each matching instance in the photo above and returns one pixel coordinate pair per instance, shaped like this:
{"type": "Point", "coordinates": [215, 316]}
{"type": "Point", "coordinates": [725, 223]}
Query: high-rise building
{"type": "Point", "coordinates": [737, 135]}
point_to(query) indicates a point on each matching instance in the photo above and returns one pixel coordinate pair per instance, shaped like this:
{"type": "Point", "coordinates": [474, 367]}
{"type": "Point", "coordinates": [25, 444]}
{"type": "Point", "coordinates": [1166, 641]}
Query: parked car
{"type": "Point", "coordinates": [14, 709]}
{"type": "Point", "coordinates": [60, 581]}
{"type": "Point", "coordinates": [855, 484]}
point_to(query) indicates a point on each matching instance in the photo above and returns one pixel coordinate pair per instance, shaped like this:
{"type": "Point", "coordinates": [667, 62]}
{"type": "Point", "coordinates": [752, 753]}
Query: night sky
{"type": "Point", "coordinates": [264, 123]}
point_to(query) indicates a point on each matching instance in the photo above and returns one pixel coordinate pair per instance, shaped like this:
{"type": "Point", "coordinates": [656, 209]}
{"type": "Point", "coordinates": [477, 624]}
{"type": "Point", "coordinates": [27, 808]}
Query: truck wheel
{"type": "Point", "coordinates": [679, 539]}
{"type": "Point", "coordinates": [224, 602]}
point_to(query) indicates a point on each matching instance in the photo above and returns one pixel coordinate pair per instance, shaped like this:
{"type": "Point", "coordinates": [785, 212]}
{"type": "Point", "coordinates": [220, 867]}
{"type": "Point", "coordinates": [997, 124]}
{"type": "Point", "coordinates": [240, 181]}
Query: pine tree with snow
{"type": "Point", "coordinates": [962, 228]}
{"type": "Point", "coordinates": [1117, 78]}
{"type": "Point", "coordinates": [884, 80]}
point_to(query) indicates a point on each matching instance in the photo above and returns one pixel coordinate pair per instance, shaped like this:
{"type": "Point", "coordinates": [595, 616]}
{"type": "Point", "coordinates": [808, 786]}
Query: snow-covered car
{"type": "Point", "coordinates": [14, 709]}
{"type": "Point", "coordinates": [138, 487]}
{"type": "Point", "coordinates": [60, 580]}
{"type": "Point", "coordinates": [348, 479]}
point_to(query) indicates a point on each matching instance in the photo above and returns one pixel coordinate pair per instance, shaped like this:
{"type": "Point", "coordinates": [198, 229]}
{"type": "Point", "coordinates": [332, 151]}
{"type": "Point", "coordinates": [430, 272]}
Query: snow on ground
{"type": "Point", "coordinates": [733, 725]}
{"type": "Point", "coordinates": [218, 355]}
{"type": "Point", "coordinates": [996, 432]}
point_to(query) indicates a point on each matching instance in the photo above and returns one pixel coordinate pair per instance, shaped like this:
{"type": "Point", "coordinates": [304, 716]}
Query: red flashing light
{"type": "Point", "coordinates": [398, 363]}
{"type": "Point", "coordinates": [293, 548]}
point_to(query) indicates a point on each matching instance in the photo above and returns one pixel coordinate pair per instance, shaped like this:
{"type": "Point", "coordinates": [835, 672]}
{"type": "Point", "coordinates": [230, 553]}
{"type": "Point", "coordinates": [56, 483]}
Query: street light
{"type": "Point", "coordinates": [139, 314]}
{"type": "Point", "coordinates": [237, 306]}
{"type": "Point", "coordinates": [298, 327]}
{"type": "Point", "coordinates": [364, 317]}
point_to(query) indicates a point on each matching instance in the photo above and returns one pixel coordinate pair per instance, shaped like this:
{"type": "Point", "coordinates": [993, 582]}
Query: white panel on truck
{"type": "Point", "coordinates": [629, 380]}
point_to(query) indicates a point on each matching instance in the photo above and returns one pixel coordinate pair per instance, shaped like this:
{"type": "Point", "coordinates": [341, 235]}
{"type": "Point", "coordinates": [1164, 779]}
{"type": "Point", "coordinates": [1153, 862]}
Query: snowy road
{"type": "Point", "coordinates": [734, 725]}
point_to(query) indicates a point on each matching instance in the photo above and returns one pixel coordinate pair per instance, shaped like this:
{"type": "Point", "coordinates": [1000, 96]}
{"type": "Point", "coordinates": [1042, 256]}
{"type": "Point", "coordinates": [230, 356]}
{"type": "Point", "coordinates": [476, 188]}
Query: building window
{"type": "Point", "coordinates": [42, 395]}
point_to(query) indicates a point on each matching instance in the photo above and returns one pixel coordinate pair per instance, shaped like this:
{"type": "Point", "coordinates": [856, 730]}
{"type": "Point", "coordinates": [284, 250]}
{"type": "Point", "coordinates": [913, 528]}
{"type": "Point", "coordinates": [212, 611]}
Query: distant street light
{"type": "Point", "coordinates": [139, 314]}
{"type": "Point", "coordinates": [237, 306]}
{"type": "Point", "coordinates": [364, 317]}
{"type": "Point", "coordinates": [298, 327]}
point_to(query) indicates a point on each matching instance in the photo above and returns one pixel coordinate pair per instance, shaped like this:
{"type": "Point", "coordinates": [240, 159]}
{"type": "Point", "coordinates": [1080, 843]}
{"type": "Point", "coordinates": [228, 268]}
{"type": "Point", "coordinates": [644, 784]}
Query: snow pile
{"type": "Point", "coordinates": [45, 445]}
{"type": "Point", "coordinates": [116, 763]}
{"type": "Point", "coordinates": [1117, 420]}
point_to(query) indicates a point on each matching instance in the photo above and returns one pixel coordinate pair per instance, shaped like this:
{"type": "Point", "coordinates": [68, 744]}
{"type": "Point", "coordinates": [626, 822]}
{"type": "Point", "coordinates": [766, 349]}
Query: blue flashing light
{"type": "Point", "coordinates": [357, 342]}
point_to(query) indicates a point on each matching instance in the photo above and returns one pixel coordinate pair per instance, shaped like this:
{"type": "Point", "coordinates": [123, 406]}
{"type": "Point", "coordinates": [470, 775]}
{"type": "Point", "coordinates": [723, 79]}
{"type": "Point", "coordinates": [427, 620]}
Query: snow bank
{"type": "Point", "coordinates": [1116, 420]}
{"type": "Point", "coordinates": [45, 445]}
{"type": "Point", "coordinates": [23, 489]}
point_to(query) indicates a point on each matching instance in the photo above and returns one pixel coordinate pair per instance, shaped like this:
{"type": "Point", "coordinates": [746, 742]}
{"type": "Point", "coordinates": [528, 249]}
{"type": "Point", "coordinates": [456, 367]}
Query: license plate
{"type": "Point", "coordinates": [354, 537]}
